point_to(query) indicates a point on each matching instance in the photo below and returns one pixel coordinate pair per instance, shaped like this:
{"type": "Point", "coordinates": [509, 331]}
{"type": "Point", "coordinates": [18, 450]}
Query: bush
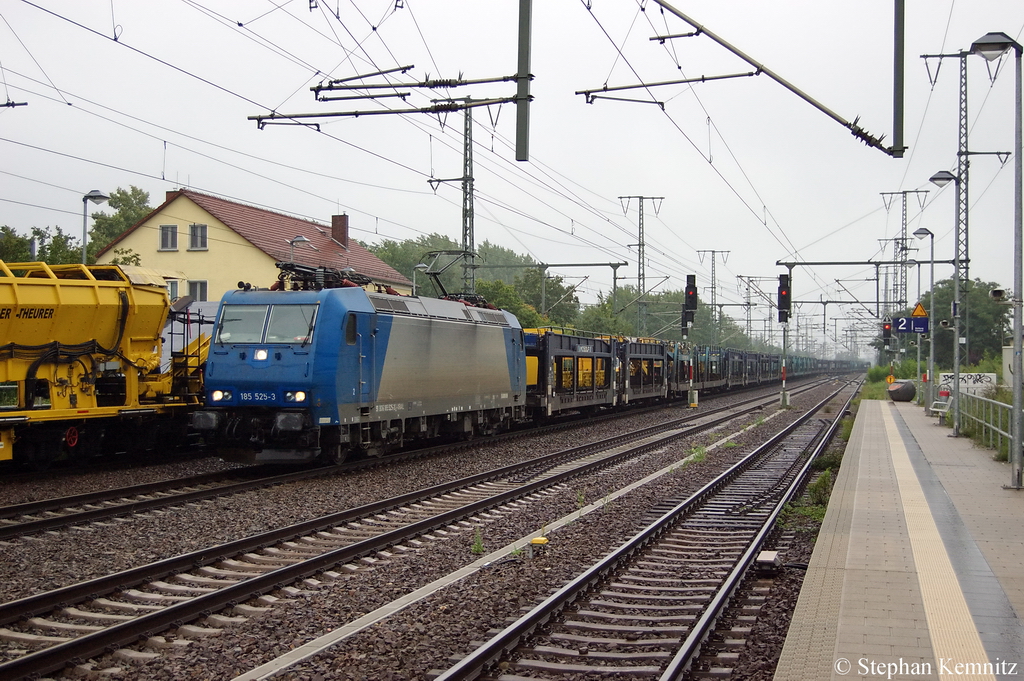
{"type": "Point", "coordinates": [828, 460]}
{"type": "Point", "coordinates": [819, 490]}
{"type": "Point", "coordinates": [877, 374]}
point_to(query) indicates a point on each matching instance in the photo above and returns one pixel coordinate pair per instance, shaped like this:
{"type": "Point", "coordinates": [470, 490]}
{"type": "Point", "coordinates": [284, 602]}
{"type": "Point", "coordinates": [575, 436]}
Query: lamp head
{"type": "Point", "coordinates": [96, 196]}
{"type": "Point", "coordinates": [922, 232]}
{"type": "Point", "coordinates": [942, 178]}
{"type": "Point", "coordinates": [991, 46]}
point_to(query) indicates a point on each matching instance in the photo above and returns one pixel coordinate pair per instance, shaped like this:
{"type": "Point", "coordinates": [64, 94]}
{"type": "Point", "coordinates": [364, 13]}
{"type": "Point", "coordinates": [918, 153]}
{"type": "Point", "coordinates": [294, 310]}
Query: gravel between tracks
{"type": "Point", "coordinates": [419, 638]}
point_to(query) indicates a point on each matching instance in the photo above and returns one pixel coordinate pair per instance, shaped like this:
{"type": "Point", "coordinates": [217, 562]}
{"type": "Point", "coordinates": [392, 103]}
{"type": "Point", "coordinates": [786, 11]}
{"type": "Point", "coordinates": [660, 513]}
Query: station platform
{"type": "Point", "coordinates": [918, 571]}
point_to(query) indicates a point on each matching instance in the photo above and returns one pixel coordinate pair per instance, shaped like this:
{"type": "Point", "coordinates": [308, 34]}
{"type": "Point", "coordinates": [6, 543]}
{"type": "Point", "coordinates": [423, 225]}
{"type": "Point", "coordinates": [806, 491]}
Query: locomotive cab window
{"type": "Point", "coordinates": [242, 323]}
{"type": "Point", "coordinates": [287, 324]}
{"type": "Point", "coordinates": [291, 323]}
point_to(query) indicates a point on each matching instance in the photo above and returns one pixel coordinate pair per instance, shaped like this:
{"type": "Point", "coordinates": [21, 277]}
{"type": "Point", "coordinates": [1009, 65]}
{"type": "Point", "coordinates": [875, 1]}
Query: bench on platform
{"type": "Point", "coordinates": [940, 408]}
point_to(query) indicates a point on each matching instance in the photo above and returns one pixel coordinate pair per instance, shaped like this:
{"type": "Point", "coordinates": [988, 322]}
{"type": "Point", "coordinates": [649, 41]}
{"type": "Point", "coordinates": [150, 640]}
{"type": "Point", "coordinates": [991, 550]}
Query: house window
{"type": "Point", "coordinates": [168, 237]}
{"type": "Point", "coordinates": [172, 288]}
{"type": "Point", "coordinates": [197, 289]}
{"type": "Point", "coordinates": [197, 237]}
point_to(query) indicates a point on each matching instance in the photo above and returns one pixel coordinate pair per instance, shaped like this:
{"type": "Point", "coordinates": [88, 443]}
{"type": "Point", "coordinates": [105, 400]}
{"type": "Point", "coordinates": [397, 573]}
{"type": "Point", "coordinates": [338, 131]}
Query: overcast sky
{"type": "Point", "coordinates": [157, 95]}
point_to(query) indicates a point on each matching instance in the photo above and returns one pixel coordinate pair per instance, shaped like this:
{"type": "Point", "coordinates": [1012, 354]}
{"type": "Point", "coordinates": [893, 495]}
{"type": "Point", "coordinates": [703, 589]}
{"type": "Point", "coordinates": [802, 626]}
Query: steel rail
{"type": "Point", "coordinates": [8, 531]}
{"type": "Point", "coordinates": [683, 658]}
{"type": "Point", "coordinates": [90, 645]}
{"type": "Point", "coordinates": [473, 665]}
{"type": "Point", "coordinates": [55, 503]}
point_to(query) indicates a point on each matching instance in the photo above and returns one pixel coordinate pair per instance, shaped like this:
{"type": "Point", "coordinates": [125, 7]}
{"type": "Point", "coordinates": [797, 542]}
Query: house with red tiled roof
{"type": "Point", "coordinates": [216, 243]}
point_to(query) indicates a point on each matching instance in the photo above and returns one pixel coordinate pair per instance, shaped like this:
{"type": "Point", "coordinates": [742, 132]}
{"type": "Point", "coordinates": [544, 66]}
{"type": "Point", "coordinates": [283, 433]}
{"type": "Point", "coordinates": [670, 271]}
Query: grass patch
{"type": "Point", "coordinates": [847, 429]}
{"type": "Point", "coordinates": [812, 506]}
{"type": "Point", "coordinates": [873, 391]}
{"type": "Point", "coordinates": [828, 461]}
{"type": "Point", "coordinates": [478, 542]}
{"type": "Point", "coordinates": [816, 513]}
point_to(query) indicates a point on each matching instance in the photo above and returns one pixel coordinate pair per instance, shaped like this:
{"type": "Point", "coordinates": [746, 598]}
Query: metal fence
{"type": "Point", "coordinates": [987, 420]}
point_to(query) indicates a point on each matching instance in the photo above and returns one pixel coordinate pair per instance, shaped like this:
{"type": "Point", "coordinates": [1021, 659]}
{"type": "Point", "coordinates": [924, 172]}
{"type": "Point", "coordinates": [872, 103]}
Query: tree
{"type": "Point", "coordinates": [131, 206]}
{"type": "Point", "coordinates": [601, 318]}
{"type": "Point", "coordinates": [986, 324]}
{"type": "Point", "coordinates": [13, 246]}
{"type": "Point", "coordinates": [562, 305]}
{"type": "Point", "coordinates": [500, 263]}
{"type": "Point", "coordinates": [126, 256]}
{"type": "Point", "coordinates": [504, 296]}
{"type": "Point", "coordinates": [53, 248]}
{"type": "Point", "coordinates": [405, 255]}
{"type": "Point", "coordinates": [57, 248]}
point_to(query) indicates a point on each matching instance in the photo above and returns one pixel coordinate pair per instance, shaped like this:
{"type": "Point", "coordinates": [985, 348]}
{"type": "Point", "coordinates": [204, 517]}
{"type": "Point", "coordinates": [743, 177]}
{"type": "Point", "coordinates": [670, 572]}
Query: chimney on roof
{"type": "Point", "coordinates": [171, 193]}
{"type": "Point", "coordinates": [339, 229]}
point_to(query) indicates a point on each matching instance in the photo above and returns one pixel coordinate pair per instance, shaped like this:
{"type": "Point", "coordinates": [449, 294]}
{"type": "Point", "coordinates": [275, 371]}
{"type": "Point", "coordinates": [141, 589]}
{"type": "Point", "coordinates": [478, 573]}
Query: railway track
{"type": "Point", "coordinates": [84, 620]}
{"type": "Point", "coordinates": [50, 514]}
{"type": "Point", "coordinates": [645, 610]}
{"type": "Point", "coordinates": [82, 509]}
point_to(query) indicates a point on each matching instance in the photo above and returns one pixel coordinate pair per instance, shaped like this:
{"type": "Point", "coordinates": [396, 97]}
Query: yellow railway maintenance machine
{"type": "Point", "coordinates": [80, 362]}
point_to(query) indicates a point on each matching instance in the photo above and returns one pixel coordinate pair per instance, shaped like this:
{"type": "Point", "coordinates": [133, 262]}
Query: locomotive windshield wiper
{"type": "Point", "coordinates": [309, 331]}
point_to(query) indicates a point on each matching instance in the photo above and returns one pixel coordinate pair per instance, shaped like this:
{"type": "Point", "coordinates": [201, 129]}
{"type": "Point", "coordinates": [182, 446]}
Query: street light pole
{"type": "Point", "coordinates": [941, 179]}
{"type": "Point", "coordinates": [417, 268]}
{"type": "Point", "coordinates": [992, 46]}
{"type": "Point", "coordinates": [297, 240]}
{"type": "Point", "coordinates": [920, 234]}
{"type": "Point", "coordinates": [917, 377]}
{"type": "Point", "coordinates": [97, 197]}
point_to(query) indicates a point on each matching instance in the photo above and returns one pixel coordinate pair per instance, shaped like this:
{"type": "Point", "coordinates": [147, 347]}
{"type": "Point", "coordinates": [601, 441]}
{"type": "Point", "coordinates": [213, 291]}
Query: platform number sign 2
{"type": "Point", "coordinates": [910, 325]}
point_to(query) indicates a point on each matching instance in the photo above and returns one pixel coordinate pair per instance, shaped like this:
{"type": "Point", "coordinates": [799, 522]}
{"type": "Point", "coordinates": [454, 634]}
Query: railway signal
{"type": "Point", "coordinates": [690, 304]}
{"type": "Point", "coordinates": [784, 301]}
{"type": "Point", "coordinates": [886, 332]}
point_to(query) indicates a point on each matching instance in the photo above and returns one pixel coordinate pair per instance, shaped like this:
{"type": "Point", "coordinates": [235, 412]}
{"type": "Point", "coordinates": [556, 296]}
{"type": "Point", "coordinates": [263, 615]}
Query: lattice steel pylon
{"type": "Point", "coordinates": [901, 296]}
{"type": "Point", "coordinates": [641, 273]}
{"type": "Point", "coordinates": [962, 278]}
{"type": "Point", "coordinates": [468, 238]}
{"type": "Point", "coordinates": [716, 319]}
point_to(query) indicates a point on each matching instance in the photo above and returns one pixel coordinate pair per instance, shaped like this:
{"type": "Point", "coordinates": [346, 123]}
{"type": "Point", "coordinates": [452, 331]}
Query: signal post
{"type": "Point", "coordinates": [784, 304]}
{"type": "Point", "coordinates": [689, 310]}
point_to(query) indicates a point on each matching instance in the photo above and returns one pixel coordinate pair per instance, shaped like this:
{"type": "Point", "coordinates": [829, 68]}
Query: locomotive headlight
{"type": "Point", "coordinates": [260, 354]}
{"type": "Point", "coordinates": [220, 395]}
{"type": "Point", "coordinates": [295, 396]}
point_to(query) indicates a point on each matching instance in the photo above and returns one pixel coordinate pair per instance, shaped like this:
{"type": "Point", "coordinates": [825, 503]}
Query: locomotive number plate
{"type": "Point", "coordinates": [257, 397]}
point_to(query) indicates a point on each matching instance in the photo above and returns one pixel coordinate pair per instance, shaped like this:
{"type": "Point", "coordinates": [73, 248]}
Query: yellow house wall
{"type": "Point", "coordinates": [228, 257]}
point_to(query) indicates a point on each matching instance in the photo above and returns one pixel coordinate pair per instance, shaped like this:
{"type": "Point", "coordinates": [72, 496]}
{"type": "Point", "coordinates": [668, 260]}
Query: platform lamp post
{"type": "Point", "coordinates": [97, 197]}
{"type": "Point", "coordinates": [921, 233]}
{"type": "Point", "coordinates": [421, 267]}
{"type": "Point", "coordinates": [992, 46]}
{"type": "Point", "coordinates": [941, 179]}
{"type": "Point", "coordinates": [917, 376]}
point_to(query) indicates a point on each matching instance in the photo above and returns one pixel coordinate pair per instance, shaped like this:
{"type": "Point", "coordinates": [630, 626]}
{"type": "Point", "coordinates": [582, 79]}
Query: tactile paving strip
{"type": "Point", "coordinates": [953, 633]}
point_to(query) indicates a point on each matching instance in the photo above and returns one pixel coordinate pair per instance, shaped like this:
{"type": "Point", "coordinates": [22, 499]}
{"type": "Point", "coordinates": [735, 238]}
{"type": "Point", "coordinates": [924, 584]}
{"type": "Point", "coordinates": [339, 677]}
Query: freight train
{"type": "Point", "coordinates": [320, 368]}
{"type": "Point", "coordinates": [81, 363]}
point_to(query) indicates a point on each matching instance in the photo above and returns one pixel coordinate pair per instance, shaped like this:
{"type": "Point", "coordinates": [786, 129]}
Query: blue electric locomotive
{"type": "Point", "coordinates": [329, 369]}
{"type": "Point", "coordinates": [318, 374]}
